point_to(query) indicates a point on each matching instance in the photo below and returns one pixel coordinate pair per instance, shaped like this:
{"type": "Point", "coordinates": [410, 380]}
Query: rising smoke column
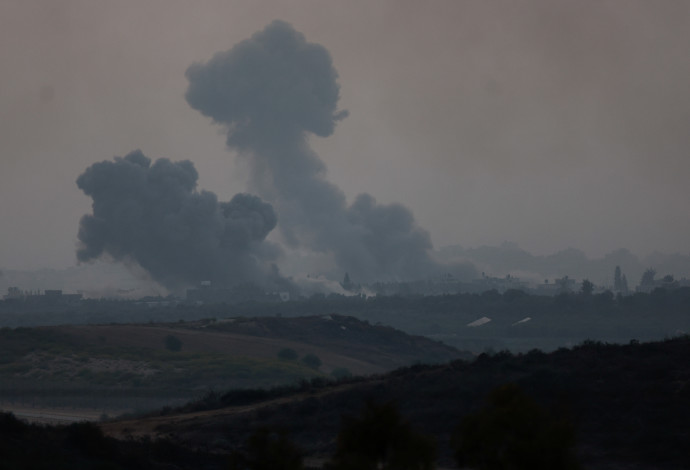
{"type": "Point", "coordinates": [270, 92]}
{"type": "Point", "coordinates": [152, 214]}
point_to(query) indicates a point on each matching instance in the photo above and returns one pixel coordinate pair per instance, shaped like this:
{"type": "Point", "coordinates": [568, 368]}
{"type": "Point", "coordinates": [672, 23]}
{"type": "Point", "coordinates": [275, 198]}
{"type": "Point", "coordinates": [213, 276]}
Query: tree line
{"type": "Point", "coordinates": [511, 431]}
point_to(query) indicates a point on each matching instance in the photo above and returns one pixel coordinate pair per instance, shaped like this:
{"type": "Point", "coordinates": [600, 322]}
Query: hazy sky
{"type": "Point", "coordinates": [552, 124]}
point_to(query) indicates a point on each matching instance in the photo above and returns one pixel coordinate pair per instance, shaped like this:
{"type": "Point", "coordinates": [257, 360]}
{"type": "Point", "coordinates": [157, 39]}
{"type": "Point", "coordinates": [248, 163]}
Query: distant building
{"type": "Point", "coordinates": [49, 296]}
{"type": "Point", "coordinates": [547, 288]}
{"type": "Point", "coordinates": [499, 284]}
{"type": "Point", "coordinates": [13, 293]}
{"type": "Point", "coordinates": [247, 292]}
{"type": "Point", "coordinates": [667, 282]}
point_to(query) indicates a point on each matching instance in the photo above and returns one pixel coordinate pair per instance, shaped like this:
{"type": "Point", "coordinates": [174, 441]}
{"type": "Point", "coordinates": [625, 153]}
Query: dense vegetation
{"type": "Point", "coordinates": [615, 406]}
{"type": "Point", "coordinates": [621, 405]}
{"type": "Point", "coordinates": [84, 446]}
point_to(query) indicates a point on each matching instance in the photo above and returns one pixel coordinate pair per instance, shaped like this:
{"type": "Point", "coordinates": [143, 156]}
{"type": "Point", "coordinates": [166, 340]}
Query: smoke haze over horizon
{"type": "Point", "coordinates": [153, 215]}
{"type": "Point", "coordinates": [270, 92]}
{"type": "Point", "coordinates": [549, 124]}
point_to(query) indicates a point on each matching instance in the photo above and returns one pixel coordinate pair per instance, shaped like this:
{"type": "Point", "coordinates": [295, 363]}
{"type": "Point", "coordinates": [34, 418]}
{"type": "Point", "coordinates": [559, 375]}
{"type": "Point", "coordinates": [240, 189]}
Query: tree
{"type": "Point", "coordinates": [288, 354]}
{"type": "Point", "coordinates": [347, 284]}
{"type": "Point", "coordinates": [379, 439]}
{"type": "Point", "coordinates": [587, 287]}
{"type": "Point", "coordinates": [648, 278]}
{"type": "Point", "coordinates": [617, 280]}
{"type": "Point", "coordinates": [513, 294]}
{"type": "Point", "coordinates": [312, 360]}
{"type": "Point", "coordinates": [173, 343]}
{"type": "Point", "coordinates": [268, 450]}
{"type": "Point", "coordinates": [605, 298]}
{"type": "Point", "coordinates": [341, 373]}
{"type": "Point", "coordinates": [513, 432]}
{"type": "Point", "coordinates": [89, 439]}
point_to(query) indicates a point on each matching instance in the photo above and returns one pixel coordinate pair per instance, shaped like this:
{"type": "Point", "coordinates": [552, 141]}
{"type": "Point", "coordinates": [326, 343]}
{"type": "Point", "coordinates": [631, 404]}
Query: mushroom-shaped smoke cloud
{"type": "Point", "coordinates": [270, 92]}
{"type": "Point", "coordinates": [274, 83]}
{"type": "Point", "coordinates": [153, 215]}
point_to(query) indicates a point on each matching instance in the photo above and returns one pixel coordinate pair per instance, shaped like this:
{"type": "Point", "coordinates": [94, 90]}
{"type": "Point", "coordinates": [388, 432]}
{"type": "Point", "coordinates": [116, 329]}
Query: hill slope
{"type": "Point", "coordinates": [116, 368]}
{"type": "Point", "coordinates": [629, 404]}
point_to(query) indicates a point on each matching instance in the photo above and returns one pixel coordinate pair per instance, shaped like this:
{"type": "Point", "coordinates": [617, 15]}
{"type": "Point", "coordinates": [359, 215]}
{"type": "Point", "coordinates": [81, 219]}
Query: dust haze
{"type": "Point", "coordinates": [271, 92]}
{"type": "Point", "coordinates": [547, 124]}
{"type": "Point", "coordinates": [154, 216]}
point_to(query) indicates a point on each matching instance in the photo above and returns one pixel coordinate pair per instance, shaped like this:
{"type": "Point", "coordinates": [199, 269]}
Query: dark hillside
{"type": "Point", "coordinates": [628, 403]}
{"type": "Point", "coordinates": [120, 368]}
{"type": "Point", "coordinates": [347, 336]}
{"type": "Point", "coordinates": [84, 446]}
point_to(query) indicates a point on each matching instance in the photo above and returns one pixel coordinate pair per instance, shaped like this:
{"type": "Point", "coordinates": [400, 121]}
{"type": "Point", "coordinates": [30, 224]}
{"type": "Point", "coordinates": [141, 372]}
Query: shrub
{"type": "Point", "coordinates": [381, 438]}
{"type": "Point", "coordinates": [341, 373]}
{"type": "Point", "coordinates": [514, 432]}
{"type": "Point", "coordinates": [89, 439]}
{"type": "Point", "coordinates": [288, 354]}
{"type": "Point", "coordinates": [312, 360]}
{"type": "Point", "coordinates": [267, 449]}
{"type": "Point", "coordinates": [173, 343]}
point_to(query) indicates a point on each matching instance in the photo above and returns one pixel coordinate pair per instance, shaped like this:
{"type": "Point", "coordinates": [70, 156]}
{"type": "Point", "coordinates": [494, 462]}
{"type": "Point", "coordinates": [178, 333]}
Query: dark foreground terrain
{"type": "Point", "coordinates": [629, 407]}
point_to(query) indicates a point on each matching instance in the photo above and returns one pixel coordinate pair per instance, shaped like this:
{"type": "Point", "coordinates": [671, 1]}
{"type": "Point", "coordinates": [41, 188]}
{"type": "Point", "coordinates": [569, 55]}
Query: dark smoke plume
{"type": "Point", "coordinates": [270, 92]}
{"type": "Point", "coordinates": [153, 215]}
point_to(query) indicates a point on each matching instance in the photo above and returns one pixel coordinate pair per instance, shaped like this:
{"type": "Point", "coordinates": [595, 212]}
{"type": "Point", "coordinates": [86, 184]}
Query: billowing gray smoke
{"type": "Point", "coordinates": [153, 215]}
{"type": "Point", "coordinates": [271, 91]}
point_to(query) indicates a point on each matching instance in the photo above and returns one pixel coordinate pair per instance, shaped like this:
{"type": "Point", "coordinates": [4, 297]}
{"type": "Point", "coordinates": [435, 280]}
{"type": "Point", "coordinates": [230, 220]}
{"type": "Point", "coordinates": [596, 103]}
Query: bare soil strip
{"type": "Point", "coordinates": [51, 416]}
{"type": "Point", "coordinates": [155, 426]}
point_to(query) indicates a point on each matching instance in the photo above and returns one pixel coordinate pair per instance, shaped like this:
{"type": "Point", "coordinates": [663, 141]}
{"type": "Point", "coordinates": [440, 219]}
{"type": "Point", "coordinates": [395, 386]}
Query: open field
{"type": "Point", "coordinates": [125, 368]}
